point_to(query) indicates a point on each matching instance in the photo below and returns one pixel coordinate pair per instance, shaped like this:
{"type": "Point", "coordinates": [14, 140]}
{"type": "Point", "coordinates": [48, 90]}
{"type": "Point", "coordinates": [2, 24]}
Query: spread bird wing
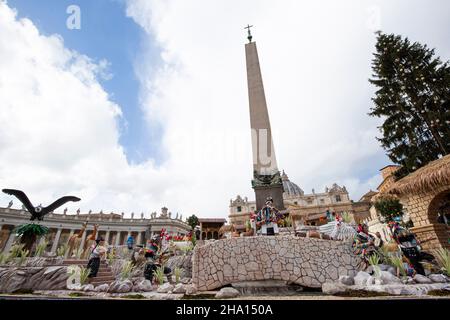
{"type": "Point", "coordinates": [22, 197]}
{"type": "Point", "coordinates": [58, 203]}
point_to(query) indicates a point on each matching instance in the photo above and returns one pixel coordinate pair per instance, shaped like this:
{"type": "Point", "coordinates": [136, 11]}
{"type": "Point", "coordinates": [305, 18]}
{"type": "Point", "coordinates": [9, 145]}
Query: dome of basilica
{"type": "Point", "coordinates": [290, 188]}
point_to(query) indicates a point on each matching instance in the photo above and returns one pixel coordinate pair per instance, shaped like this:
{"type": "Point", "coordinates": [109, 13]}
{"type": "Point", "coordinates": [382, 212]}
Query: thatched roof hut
{"type": "Point", "coordinates": [434, 175]}
{"type": "Point", "coordinates": [226, 228]}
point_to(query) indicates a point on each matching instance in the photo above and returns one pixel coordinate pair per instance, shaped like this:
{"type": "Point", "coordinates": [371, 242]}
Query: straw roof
{"type": "Point", "coordinates": [434, 175]}
{"type": "Point", "coordinates": [226, 228]}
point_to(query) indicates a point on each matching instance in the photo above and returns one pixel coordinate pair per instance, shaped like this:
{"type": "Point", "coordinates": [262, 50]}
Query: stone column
{"type": "Point", "coordinates": [107, 236]}
{"type": "Point", "coordinates": [72, 231]}
{"type": "Point", "coordinates": [118, 238]}
{"type": "Point", "coordinates": [9, 243]}
{"type": "Point", "coordinates": [126, 239]}
{"type": "Point", "coordinates": [1, 229]}
{"type": "Point", "coordinates": [201, 231]}
{"type": "Point", "coordinates": [139, 238]}
{"type": "Point", "coordinates": [83, 239]}
{"type": "Point", "coordinates": [55, 243]}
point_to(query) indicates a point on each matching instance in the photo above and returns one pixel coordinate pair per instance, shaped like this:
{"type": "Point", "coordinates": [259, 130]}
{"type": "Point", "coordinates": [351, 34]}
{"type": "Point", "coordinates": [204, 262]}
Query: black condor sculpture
{"type": "Point", "coordinates": [39, 212]}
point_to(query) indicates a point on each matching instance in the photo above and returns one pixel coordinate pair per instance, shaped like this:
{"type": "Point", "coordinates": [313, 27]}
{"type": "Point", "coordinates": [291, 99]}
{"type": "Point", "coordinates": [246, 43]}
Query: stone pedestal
{"type": "Point", "coordinates": [275, 192]}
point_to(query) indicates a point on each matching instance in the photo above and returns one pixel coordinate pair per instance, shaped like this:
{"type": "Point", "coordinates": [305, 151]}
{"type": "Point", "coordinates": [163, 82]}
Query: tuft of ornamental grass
{"type": "Point", "coordinates": [84, 274]}
{"type": "Point", "coordinates": [159, 274]}
{"type": "Point", "coordinates": [374, 261]}
{"type": "Point", "coordinates": [187, 249]}
{"type": "Point", "coordinates": [40, 248]}
{"type": "Point", "coordinates": [397, 262]}
{"type": "Point", "coordinates": [3, 258]}
{"type": "Point", "coordinates": [61, 251]}
{"type": "Point", "coordinates": [177, 272]}
{"type": "Point", "coordinates": [443, 259]}
{"type": "Point", "coordinates": [127, 270]}
{"type": "Point", "coordinates": [346, 217]}
{"type": "Point", "coordinates": [16, 250]}
{"type": "Point", "coordinates": [23, 254]}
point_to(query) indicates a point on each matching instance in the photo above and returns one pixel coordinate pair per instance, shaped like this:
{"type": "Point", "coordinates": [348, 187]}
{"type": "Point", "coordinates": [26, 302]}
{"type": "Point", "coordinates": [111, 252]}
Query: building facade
{"type": "Point", "coordinates": [303, 208]}
{"type": "Point", "coordinates": [114, 228]}
{"type": "Point", "coordinates": [425, 195]}
{"type": "Point", "coordinates": [210, 227]}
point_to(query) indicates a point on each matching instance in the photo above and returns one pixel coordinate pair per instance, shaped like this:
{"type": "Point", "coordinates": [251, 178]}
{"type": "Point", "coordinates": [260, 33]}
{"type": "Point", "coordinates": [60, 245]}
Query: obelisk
{"type": "Point", "coordinates": [266, 176]}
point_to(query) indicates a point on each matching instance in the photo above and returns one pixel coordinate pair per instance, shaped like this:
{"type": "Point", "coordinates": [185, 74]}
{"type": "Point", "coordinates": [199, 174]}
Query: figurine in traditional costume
{"type": "Point", "coordinates": [267, 218]}
{"type": "Point", "coordinates": [410, 247]}
{"type": "Point", "coordinates": [154, 259]}
{"type": "Point", "coordinates": [363, 243]}
{"type": "Point", "coordinates": [97, 253]}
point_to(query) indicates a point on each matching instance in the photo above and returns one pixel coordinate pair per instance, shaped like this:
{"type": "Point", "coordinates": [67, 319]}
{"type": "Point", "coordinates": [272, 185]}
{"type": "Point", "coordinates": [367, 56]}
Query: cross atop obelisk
{"type": "Point", "coordinates": [266, 177]}
{"type": "Point", "coordinates": [249, 37]}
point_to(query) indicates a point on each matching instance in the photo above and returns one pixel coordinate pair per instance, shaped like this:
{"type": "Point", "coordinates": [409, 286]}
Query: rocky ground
{"type": "Point", "coordinates": [387, 283]}
{"type": "Point", "coordinates": [41, 279]}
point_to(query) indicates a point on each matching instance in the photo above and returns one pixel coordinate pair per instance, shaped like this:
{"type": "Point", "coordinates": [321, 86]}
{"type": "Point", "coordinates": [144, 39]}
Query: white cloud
{"type": "Point", "coordinates": [58, 127]}
{"type": "Point", "coordinates": [315, 59]}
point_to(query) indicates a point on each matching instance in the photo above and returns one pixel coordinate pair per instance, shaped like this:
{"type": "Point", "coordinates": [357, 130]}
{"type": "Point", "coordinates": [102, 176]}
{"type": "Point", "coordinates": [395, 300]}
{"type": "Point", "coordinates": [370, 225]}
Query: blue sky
{"type": "Point", "coordinates": [106, 33]}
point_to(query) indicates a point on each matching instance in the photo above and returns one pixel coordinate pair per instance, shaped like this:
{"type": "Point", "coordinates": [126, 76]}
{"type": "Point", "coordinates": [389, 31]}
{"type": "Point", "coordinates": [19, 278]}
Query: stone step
{"type": "Point", "coordinates": [101, 269]}
{"type": "Point", "coordinates": [97, 283]}
{"type": "Point", "coordinates": [103, 278]}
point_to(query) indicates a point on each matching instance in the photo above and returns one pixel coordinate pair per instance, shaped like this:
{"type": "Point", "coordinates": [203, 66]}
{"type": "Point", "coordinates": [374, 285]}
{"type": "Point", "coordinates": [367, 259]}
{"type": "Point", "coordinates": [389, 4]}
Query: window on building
{"type": "Point", "coordinates": [338, 198]}
{"type": "Point", "coordinates": [296, 202]}
{"type": "Point", "coordinates": [239, 209]}
{"type": "Point", "coordinates": [309, 202]}
{"type": "Point", "coordinates": [322, 200]}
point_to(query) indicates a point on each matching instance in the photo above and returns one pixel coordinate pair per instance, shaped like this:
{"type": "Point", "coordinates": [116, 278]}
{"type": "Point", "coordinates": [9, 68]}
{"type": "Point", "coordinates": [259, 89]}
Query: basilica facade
{"type": "Point", "coordinates": [305, 208]}
{"type": "Point", "coordinates": [113, 227]}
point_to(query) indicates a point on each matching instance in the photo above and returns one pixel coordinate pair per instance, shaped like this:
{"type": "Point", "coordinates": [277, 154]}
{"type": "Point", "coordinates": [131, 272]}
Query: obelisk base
{"type": "Point", "coordinates": [273, 191]}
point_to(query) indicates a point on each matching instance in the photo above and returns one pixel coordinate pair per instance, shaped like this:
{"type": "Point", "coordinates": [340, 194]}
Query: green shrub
{"type": "Point", "coordinates": [193, 239]}
{"type": "Point", "coordinates": [389, 207]}
{"type": "Point", "coordinates": [31, 229]}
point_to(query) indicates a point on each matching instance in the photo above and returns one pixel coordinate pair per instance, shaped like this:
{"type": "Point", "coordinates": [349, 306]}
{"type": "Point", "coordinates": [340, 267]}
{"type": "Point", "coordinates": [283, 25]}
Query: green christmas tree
{"type": "Point", "coordinates": [192, 221]}
{"type": "Point", "coordinates": [413, 90]}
